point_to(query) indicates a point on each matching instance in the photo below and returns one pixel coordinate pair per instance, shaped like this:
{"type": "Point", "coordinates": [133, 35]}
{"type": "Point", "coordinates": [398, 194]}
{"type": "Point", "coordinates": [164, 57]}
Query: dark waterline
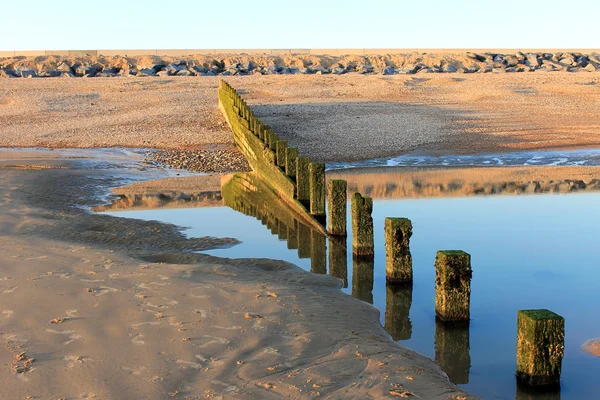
{"type": "Point", "coordinates": [585, 157]}
{"type": "Point", "coordinates": [527, 251]}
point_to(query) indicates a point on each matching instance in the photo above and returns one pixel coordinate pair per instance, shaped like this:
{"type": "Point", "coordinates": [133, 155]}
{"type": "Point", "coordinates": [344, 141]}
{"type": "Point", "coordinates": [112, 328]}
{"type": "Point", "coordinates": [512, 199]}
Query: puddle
{"type": "Point", "coordinates": [588, 157]}
{"type": "Point", "coordinates": [528, 251]}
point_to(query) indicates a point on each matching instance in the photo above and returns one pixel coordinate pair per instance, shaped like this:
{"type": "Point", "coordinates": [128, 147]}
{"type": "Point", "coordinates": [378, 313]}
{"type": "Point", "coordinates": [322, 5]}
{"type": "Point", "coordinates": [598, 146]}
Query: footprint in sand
{"type": "Point", "coordinates": [7, 313]}
{"type": "Point", "coordinates": [201, 312]}
{"type": "Point", "coordinates": [105, 289]}
{"type": "Point", "coordinates": [138, 340]}
{"type": "Point", "coordinates": [73, 336]}
{"type": "Point", "coordinates": [189, 364]}
{"type": "Point", "coordinates": [10, 290]}
{"type": "Point", "coordinates": [72, 360]}
{"type": "Point", "coordinates": [134, 370]}
{"type": "Point", "coordinates": [214, 339]}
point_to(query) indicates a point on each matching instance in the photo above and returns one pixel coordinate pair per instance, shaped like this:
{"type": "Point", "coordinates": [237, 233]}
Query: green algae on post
{"type": "Point", "coordinates": [362, 225]}
{"type": "Point", "coordinates": [281, 151]}
{"type": "Point", "coordinates": [398, 260]}
{"type": "Point", "coordinates": [453, 285]}
{"type": "Point", "coordinates": [302, 181]}
{"type": "Point", "coordinates": [290, 162]}
{"type": "Point", "coordinates": [540, 347]}
{"type": "Point", "coordinates": [337, 199]}
{"type": "Point", "coordinates": [316, 172]}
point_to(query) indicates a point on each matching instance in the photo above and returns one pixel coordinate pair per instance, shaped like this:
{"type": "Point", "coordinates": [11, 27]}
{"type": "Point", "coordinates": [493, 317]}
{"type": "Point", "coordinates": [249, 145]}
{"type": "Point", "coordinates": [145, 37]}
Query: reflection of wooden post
{"type": "Point", "coordinates": [316, 172]}
{"type": "Point", "coordinates": [540, 347]}
{"type": "Point", "coordinates": [362, 278]}
{"type": "Point", "coordinates": [398, 261]}
{"type": "Point", "coordinates": [303, 180]}
{"type": "Point", "coordinates": [292, 235]}
{"type": "Point", "coordinates": [303, 241]}
{"type": "Point", "coordinates": [452, 349]}
{"type": "Point", "coordinates": [282, 230]}
{"type": "Point", "coordinates": [281, 153]}
{"type": "Point", "coordinates": [452, 285]}
{"type": "Point", "coordinates": [290, 162]}
{"type": "Point", "coordinates": [338, 258]}
{"type": "Point", "coordinates": [318, 253]}
{"type": "Point", "coordinates": [362, 225]}
{"type": "Point", "coordinates": [337, 200]}
{"type": "Point", "coordinates": [398, 299]}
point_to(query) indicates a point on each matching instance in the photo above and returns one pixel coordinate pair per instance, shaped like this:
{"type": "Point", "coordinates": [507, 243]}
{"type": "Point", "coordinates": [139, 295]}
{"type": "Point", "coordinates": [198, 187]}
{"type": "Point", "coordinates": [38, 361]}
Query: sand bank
{"type": "Point", "coordinates": [329, 118]}
{"type": "Point", "coordinates": [82, 315]}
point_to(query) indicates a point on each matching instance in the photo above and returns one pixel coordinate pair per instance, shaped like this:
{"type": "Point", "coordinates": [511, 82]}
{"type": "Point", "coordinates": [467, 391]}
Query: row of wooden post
{"type": "Point", "coordinates": [308, 177]}
{"type": "Point", "coordinates": [540, 333]}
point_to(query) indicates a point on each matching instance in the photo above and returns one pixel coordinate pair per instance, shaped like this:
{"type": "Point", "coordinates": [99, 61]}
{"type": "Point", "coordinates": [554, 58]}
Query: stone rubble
{"type": "Point", "coordinates": [243, 64]}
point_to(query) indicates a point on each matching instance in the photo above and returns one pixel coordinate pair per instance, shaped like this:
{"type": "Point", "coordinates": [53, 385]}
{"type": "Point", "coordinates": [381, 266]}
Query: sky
{"type": "Point", "coordinates": [244, 24]}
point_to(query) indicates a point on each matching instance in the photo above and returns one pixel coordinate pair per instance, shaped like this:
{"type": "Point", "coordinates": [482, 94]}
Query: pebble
{"type": "Point", "coordinates": [213, 161]}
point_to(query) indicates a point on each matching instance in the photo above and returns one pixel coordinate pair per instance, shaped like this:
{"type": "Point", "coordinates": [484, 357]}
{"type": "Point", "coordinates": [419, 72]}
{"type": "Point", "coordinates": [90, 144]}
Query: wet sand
{"type": "Point", "coordinates": [93, 306]}
{"type": "Point", "coordinates": [329, 118]}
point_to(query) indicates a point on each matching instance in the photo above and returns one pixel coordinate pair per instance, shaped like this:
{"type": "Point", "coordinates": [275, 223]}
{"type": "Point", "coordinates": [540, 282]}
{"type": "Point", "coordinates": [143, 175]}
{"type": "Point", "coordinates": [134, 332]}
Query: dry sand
{"type": "Point", "coordinates": [330, 118]}
{"type": "Point", "coordinates": [86, 312]}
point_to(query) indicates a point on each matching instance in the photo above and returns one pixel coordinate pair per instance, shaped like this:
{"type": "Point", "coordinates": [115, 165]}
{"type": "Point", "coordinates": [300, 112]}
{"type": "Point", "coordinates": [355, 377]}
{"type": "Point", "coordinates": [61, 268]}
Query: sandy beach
{"type": "Point", "coordinates": [85, 314]}
{"type": "Point", "coordinates": [329, 118]}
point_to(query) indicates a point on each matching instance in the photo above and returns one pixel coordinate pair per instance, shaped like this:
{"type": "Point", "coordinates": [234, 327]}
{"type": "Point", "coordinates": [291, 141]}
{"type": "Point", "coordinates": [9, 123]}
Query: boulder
{"type": "Point", "coordinates": [51, 73]}
{"type": "Point", "coordinates": [200, 70]}
{"type": "Point", "coordinates": [209, 73]}
{"type": "Point", "coordinates": [321, 69]}
{"type": "Point", "coordinates": [293, 70]}
{"type": "Point", "coordinates": [111, 70]}
{"type": "Point", "coordinates": [105, 75]}
{"type": "Point", "coordinates": [582, 61]}
{"type": "Point", "coordinates": [532, 60]}
{"type": "Point", "coordinates": [146, 72]}
{"type": "Point", "coordinates": [449, 68]}
{"type": "Point", "coordinates": [184, 72]}
{"type": "Point", "coordinates": [163, 73]}
{"type": "Point", "coordinates": [7, 73]}
{"type": "Point", "coordinates": [511, 61]}
{"type": "Point", "coordinates": [63, 67]}
{"type": "Point", "coordinates": [25, 72]}
{"type": "Point", "coordinates": [81, 70]}
{"type": "Point", "coordinates": [364, 69]}
{"type": "Point", "coordinates": [338, 71]}
{"type": "Point", "coordinates": [388, 71]}
{"type": "Point", "coordinates": [475, 56]}
{"type": "Point", "coordinates": [67, 75]}
{"type": "Point", "coordinates": [590, 67]}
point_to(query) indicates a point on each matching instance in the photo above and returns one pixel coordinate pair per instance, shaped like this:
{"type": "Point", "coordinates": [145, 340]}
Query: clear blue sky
{"type": "Point", "coordinates": [150, 24]}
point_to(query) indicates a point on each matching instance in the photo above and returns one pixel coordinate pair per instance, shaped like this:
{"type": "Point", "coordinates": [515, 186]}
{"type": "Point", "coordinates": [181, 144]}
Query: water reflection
{"type": "Point", "coordinates": [338, 258]}
{"type": "Point", "coordinates": [452, 349]}
{"type": "Point", "coordinates": [362, 278]}
{"type": "Point", "coordinates": [398, 299]}
{"type": "Point", "coordinates": [527, 393]}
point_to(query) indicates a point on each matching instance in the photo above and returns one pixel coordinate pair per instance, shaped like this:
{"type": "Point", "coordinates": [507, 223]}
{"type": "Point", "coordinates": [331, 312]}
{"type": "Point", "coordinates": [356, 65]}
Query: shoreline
{"type": "Point", "coordinates": [139, 317]}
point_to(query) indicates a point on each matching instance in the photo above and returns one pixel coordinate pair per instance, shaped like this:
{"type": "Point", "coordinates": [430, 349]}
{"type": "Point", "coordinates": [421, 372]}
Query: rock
{"type": "Point", "coordinates": [582, 61]}
{"type": "Point", "coordinates": [499, 58]}
{"type": "Point", "coordinates": [293, 70]}
{"type": "Point", "coordinates": [209, 73]}
{"type": "Point", "coordinates": [200, 70]}
{"type": "Point", "coordinates": [26, 72]}
{"type": "Point", "coordinates": [532, 60]}
{"type": "Point", "coordinates": [449, 68]}
{"type": "Point", "coordinates": [511, 61]}
{"type": "Point", "coordinates": [157, 67]}
{"type": "Point", "coordinates": [590, 67]}
{"type": "Point", "coordinates": [246, 67]}
{"type": "Point", "coordinates": [146, 72]}
{"type": "Point", "coordinates": [163, 73]}
{"type": "Point", "coordinates": [111, 70]}
{"type": "Point", "coordinates": [319, 73]}
{"type": "Point", "coordinates": [388, 71]}
{"type": "Point", "coordinates": [364, 69]}
{"type": "Point", "coordinates": [477, 57]}
{"type": "Point", "coordinates": [81, 70]}
{"type": "Point", "coordinates": [338, 71]}
{"type": "Point", "coordinates": [321, 69]}
{"type": "Point", "coordinates": [62, 67]}
{"type": "Point", "coordinates": [184, 72]}
{"type": "Point", "coordinates": [7, 73]}
{"type": "Point", "coordinates": [51, 73]}
{"type": "Point", "coordinates": [67, 75]}
{"type": "Point", "coordinates": [105, 75]}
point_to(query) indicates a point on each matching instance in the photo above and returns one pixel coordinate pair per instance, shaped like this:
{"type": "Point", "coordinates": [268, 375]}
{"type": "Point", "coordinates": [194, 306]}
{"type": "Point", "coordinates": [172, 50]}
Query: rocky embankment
{"type": "Point", "coordinates": [210, 161]}
{"type": "Point", "coordinates": [241, 64]}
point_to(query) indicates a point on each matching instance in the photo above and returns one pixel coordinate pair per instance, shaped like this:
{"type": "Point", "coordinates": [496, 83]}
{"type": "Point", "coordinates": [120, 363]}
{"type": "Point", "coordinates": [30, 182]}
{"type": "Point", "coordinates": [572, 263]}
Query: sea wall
{"type": "Point", "coordinates": [267, 155]}
{"type": "Point", "coordinates": [142, 63]}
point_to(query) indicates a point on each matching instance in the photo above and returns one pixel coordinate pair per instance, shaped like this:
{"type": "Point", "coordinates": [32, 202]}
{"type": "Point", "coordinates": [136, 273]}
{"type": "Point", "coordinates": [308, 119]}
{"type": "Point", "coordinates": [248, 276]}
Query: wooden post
{"type": "Point", "coordinates": [337, 200]}
{"type": "Point", "coordinates": [281, 150]}
{"type": "Point", "coordinates": [303, 181]}
{"type": "Point", "coordinates": [398, 260]}
{"type": "Point", "coordinates": [290, 162]}
{"type": "Point", "coordinates": [453, 285]}
{"type": "Point", "coordinates": [316, 173]}
{"type": "Point", "coordinates": [540, 347]}
{"type": "Point", "coordinates": [362, 226]}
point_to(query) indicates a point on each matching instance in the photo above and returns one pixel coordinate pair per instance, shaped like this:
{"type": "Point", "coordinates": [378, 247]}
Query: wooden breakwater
{"type": "Point", "coordinates": [277, 164]}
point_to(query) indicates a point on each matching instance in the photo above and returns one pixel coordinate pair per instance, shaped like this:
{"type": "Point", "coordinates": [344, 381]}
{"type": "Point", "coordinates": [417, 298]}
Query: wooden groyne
{"type": "Point", "coordinates": [276, 163]}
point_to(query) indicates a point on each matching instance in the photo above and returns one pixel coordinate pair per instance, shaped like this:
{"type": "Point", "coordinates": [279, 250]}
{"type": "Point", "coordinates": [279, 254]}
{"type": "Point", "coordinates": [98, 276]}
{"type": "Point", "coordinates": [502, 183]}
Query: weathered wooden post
{"type": "Point", "coordinates": [540, 347]}
{"type": "Point", "coordinates": [398, 260]}
{"type": "Point", "coordinates": [453, 349]}
{"type": "Point", "coordinates": [337, 199]}
{"type": "Point", "coordinates": [362, 278]}
{"type": "Point", "coordinates": [290, 162]}
{"type": "Point", "coordinates": [273, 139]}
{"type": "Point", "coordinates": [316, 172]}
{"type": "Point", "coordinates": [303, 181]}
{"type": "Point", "coordinates": [453, 285]}
{"type": "Point", "coordinates": [281, 150]}
{"type": "Point", "coordinates": [398, 300]}
{"type": "Point", "coordinates": [362, 226]}
{"type": "Point", "coordinates": [318, 253]}
{"type": "Point", "coordinates": [338, 258]}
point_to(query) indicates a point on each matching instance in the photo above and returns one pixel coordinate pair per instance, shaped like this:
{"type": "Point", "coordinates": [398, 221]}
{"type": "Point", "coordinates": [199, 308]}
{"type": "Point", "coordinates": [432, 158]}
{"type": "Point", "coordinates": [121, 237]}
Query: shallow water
{"type": "Point", "coordinates": [537, 251]}
{"type": "Point", "coordinates": [587, 157]}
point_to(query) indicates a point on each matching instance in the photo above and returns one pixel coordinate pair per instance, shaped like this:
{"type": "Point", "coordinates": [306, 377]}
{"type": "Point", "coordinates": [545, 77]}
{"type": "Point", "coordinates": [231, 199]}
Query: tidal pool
{"type": "Point", "coordinates": [537, 251]}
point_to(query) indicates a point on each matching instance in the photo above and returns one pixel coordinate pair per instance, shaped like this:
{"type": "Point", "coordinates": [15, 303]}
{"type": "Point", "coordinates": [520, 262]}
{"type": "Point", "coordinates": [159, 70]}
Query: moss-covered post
{"type": "Point", "coordinates": [290, 162]}
{"type": "Point", "coordinates": [337, 199]}
{"type": "Point", "coordinates": [316, 172]}
{"type": "Point", "coordinates": [453, 285]}
{"type": "Point", "coordinates": [362, 226]}
{"type": "Point", "coordinates": [540, 347]}
{"type": "Point", "coordinates": [338, 258]}
{"type": "Point", "coordinates": [362, 278]}
{"type": "Point", "coordinates": [303, 181]}
{"type": "Point", "coordinates": [452, 349]}
{"type": "Point", "coordinates": [281, 149]}
{"type": "Point", "coordinates": [398, 300]}
{"type": "Point", "coordinates": [318, 253]}
{"type": "Point", "coordinates": [273, 139]}
{"type": "Point", "coordinates": [398, 260]}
